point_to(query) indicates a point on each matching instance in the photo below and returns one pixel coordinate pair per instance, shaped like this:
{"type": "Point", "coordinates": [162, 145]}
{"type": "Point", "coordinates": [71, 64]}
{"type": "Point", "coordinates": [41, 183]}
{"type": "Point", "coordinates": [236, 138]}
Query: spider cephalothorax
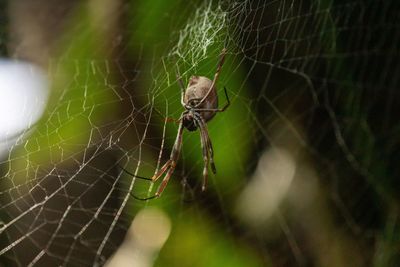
{"type": "Point", "coordinates": [189, 122]}
{"type": "Point", "coordinates": [200, 101]}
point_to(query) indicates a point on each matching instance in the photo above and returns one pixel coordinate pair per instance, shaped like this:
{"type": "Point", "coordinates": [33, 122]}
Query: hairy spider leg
{"type": "Point", "coordinates": [204, 147]}
{"type": "Point", "coordinates": [217, 109]}
{"type": "Point", "coordinates": [208, 152]}
{"type": "Point", "coordinates": [207, 141]}
{"type": "Point", "coordinates": [216, 76]}
{"type": "Point", "coordinates": [213, 168]}
{"type": "Point", "coordinates": [134, 175]}
{"type": "Point", "coordinates": [204, 129]}
{"type": "Point", "coordinates": [210, 148]}
{"type": "Point", "coordinates": [139, 177]}
{"type": "Point", "coordinates": [181, 85]}
{"type": "Point", "coordinates": [170, 165]}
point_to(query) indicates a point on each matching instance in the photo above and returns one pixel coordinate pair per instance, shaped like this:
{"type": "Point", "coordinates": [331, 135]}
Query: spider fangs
{"type": "Point", "coordinates": [200, 101]}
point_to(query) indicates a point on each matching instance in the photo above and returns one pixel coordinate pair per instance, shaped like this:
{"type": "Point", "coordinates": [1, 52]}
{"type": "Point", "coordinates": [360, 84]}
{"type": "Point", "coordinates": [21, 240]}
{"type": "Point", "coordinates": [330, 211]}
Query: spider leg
{"type": "Point", "coordinates": [140, 177]}
{"type": "Point", "coordinates": [163, 169]}
{"type": "Point", "coordinates": [228, 102]}
{"type": "Point", "coordinates": [181, 85]}
{"type": "Point", "coordinates": [142, 199]}
{"type": "Point", "coordinates": [211, 150]}
{"type": "Point", "coordinates": [166, 179]}
{"type": "Point", "coordinates": [170, 165]}
{"type": "Point", "coordinates": [154, 178]}
{"type": "Point", "coordinates": [216, 75]}
{"type": "Point", "coordinates": [207, 141]}
{"type": "Point", "coordinates": [134, 175]}
{"type": "Point", "coordinates": [204, 147]}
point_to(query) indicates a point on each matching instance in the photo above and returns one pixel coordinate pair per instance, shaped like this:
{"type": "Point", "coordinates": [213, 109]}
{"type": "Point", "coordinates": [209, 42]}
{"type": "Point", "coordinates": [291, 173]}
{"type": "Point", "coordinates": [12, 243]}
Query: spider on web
{"type": "Point", "coordinates": [200, 101]}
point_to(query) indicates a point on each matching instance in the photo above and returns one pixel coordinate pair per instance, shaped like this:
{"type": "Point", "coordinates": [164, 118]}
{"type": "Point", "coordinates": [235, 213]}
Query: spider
{"type": "Point", "coordinates": [200, 101]}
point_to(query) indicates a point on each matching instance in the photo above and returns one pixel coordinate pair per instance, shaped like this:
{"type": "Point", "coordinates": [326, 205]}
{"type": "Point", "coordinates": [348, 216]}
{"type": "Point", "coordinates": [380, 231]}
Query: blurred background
{"type": "Point", "coordinates": [307, 155]}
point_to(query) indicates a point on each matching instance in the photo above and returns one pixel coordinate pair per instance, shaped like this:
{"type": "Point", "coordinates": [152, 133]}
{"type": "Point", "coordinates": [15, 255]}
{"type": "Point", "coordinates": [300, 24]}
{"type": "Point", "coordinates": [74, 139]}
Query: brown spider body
{"type": "Point", "coordinates": [198, 88]}
{"type": "Point", "coordinates": [200, 101]}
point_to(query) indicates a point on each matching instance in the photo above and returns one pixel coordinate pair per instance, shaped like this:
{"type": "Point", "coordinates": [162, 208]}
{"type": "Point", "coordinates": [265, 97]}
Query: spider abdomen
{"type": "Point", "coordinates": [197, 89]}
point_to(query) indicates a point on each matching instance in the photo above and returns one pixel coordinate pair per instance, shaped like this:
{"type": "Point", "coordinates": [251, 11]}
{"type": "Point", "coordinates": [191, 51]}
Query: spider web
{"type": "Point", "coordinates": [307, 153]}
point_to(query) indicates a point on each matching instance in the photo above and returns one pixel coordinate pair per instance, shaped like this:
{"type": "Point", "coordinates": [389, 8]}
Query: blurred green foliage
{"type": "Point", "coordinates": [79, 99]}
